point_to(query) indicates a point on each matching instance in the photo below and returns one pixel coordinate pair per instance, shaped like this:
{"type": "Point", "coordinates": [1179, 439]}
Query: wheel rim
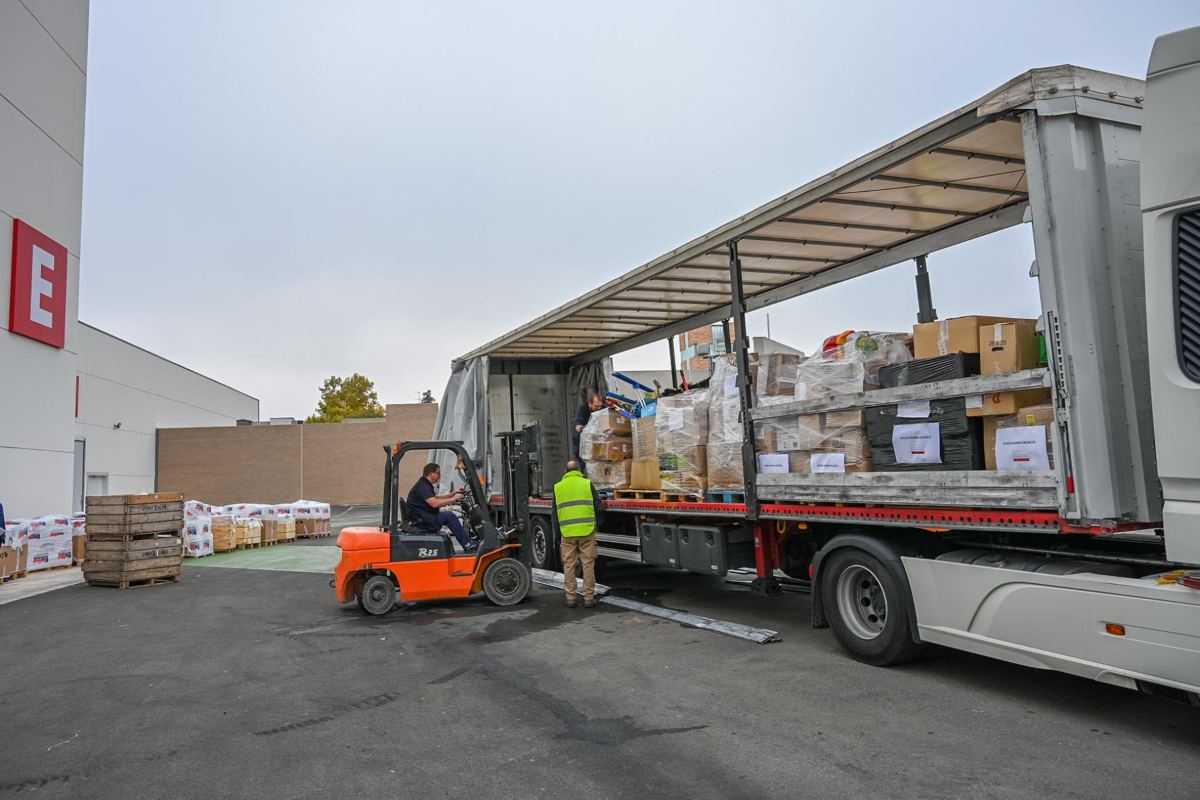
{"type": "Point", "coordinates": [862, 602]}
{"type": "Point", "coordinates": [376, 595]}
{"type": "Point", "coordinates": [506, 581]}
{"type": "Point", "coordinates": [540, 545]}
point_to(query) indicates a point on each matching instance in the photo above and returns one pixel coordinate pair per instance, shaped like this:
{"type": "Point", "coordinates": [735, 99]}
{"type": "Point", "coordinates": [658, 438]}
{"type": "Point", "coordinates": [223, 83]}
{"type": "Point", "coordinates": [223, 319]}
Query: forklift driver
{"type": "Point", "coordinates": [425, 507]}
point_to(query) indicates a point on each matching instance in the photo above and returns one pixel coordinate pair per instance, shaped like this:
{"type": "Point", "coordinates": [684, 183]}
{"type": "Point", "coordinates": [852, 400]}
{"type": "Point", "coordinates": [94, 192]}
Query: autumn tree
{"type": "Point", "coordinates": [342, 398]}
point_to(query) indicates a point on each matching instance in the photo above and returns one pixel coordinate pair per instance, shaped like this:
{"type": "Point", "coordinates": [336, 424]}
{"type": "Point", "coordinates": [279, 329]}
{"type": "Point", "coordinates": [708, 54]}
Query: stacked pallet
{"type": "Point", "coordinates": [222, 533]}
{"type": "Point", "coordinates": [133, 540]}
{"type": "Point", "coordinates": [270, 531]}
{"type": "Point", "coordinates": [285, 530]}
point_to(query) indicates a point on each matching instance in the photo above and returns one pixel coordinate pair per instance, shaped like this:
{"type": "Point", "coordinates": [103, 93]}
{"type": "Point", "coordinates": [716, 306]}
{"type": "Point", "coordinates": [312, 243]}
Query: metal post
{"type": "Point", "coordinates": [765, 582]}
{"type": "Point", "coordinates": [925, 310]}
{"type": "Point", "coordinates": [674, 375]}
{"type": "Point", "coordinates": [725, 334]}
{"type": "Point", "coordinates": [512, 407]}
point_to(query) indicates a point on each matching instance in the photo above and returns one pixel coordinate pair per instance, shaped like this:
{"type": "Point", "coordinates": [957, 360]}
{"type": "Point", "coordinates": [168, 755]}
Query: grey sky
{"type": "Point", "coordinates": [279, 191]}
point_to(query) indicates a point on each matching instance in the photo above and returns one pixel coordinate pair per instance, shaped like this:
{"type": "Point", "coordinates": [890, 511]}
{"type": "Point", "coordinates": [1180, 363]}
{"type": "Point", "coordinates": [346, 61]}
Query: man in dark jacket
{"type": "Point", "coordinates": [582, 414]}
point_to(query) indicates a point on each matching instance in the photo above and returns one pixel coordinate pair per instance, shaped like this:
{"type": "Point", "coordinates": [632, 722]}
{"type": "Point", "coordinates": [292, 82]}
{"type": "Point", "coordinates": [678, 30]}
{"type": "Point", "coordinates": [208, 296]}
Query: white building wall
{"type": "Point", "coordinates": [43, 58]}
{"type": "Point", "coordinates": [120, 383]}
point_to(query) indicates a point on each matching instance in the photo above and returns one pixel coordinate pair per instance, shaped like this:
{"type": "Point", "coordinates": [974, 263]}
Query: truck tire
{"type": "Point", "coordinates": [544, 544]}
{"type": "Point", "coordinates": [865, 606]}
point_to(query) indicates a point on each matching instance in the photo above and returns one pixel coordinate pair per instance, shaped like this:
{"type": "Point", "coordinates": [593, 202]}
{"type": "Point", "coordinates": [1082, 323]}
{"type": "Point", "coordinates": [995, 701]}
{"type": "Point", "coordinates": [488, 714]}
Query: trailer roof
{"type": "Point", "coordinates": [957, 178]}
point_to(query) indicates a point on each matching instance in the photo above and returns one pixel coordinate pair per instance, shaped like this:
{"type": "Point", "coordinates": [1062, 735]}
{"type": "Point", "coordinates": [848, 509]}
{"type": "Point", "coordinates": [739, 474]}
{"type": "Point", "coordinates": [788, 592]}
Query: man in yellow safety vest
{"type": "Point", "coordinates": [576, 511]}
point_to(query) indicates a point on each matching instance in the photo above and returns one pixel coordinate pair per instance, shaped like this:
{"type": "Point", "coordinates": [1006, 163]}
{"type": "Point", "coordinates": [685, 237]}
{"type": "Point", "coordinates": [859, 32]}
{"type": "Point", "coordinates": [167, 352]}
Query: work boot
{"type": "Point", "coordinates": [571, 602]}
{"type": "Point", "coordinates": [589, 603]}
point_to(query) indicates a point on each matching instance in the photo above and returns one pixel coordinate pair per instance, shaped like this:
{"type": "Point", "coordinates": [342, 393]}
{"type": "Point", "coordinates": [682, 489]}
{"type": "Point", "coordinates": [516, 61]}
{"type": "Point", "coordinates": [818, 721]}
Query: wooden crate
{"type": "Point", "coordinates": [133, 560]}
{"type": "Point", "coordinates": [245, 534]}
{"type": "Point", "coordinates": [125, 515]}
{"type": "Point", "coordinates": [223, 534]}
{"type": "Point", "coordinates": [270, 531]}
{"type": "Point", "coordinates": [286, 530]}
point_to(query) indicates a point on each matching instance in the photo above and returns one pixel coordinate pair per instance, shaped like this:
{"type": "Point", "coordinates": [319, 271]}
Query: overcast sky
{"type": "Point", "coordinates": [276, 192]}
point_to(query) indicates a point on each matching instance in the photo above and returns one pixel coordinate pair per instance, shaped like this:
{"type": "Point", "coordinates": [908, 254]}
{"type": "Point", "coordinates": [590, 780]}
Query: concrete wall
{"type": "Point", "coordinates": [122, 383]}
{"type": "Point", "coordinates": [339, 463]}
{"type": "Point", "coordinates": [43, 62]}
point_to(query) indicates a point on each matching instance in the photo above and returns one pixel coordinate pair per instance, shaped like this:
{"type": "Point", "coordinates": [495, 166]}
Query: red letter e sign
{"type": "Point", "coordinates": [37, 305]}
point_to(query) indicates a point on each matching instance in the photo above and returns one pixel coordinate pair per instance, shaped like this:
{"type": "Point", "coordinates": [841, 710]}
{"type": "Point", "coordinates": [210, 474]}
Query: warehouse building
{"type": "Point", "coordinates": [79, 408]}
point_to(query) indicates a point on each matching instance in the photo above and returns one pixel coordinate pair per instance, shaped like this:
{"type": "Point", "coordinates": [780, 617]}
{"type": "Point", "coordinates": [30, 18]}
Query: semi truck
{"type": "Point", "coordinates": [1082, 567]}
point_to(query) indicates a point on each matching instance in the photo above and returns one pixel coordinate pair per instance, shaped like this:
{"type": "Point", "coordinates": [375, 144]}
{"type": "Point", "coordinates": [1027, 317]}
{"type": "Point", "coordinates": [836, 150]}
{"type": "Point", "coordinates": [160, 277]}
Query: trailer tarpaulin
{"type": "Point", "coordinates": [462, 416]}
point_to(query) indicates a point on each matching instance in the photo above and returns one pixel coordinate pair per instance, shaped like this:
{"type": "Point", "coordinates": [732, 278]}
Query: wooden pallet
{"type": "Point", "coordinates": [725, 496]}
{"type": "Point", "coordinates": [131, 583]}
{"type": "Point", "coordinates": [56, 566]}
{"type": "Point", "coordinates": [637, 494]}
{"type": "Point", "coordinates": [12, 576]}
{"type": "Point", "coordinates": [674, 497]}
{"type": "Point", "coordinates": [322, 535]}
{"type": "Point", "coordinates": [248, 545]}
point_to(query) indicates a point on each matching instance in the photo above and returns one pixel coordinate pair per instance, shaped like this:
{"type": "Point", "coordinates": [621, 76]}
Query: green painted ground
{"type": "Point", "coordinates": [284, 558]}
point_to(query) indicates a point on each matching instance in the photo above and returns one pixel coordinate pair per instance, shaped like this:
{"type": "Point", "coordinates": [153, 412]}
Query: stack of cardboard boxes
{"type": "Point", "coordinates": [643, 473]}
{"type": "Point", "coordinates": [681, 435]}
{"type": "Point", "coordinates": [606, 447]}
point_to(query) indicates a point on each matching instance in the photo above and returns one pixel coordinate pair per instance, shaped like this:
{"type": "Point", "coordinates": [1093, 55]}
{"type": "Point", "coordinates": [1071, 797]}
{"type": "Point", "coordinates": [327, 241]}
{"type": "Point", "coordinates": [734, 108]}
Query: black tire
{"type": "Point", "coordinates": [543, 550]}
{"type": "Point", "coordinates": [799, 558]}
{"type": "Point", "coordinates": [377, 595]}
{"type": "Point", "coordinates": [866, 606]}
{"type": "Point", "coordinates": [506, 581]}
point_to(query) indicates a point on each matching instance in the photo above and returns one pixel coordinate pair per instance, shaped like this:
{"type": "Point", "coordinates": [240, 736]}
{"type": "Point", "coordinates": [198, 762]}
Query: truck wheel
{"type": "Point", "coordinates": [506, 582]}
{"type": "Point", "coordinates": [377, 595]}
{"type": "Point", "coordinates": [865, 606]}
{"type": "Point", "coordinates": [545, 555]}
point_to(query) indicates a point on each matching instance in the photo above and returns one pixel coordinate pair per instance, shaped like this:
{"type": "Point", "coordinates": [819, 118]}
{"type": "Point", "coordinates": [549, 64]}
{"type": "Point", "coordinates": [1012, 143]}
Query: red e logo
{"type": "Point", "coordinates": [37, 305]}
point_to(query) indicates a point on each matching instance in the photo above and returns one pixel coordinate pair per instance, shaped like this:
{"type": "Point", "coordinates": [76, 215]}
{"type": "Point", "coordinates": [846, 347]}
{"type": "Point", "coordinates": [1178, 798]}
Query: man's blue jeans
{"type": "Point", "coordinates": [451, 522]}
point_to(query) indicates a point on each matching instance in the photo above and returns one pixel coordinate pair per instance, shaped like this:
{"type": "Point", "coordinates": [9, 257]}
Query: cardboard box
{"type": "Point", "coordinates": [1007, 347]}
{"type": "Point", "coordinates": [989, 442]}
{"type": "Point", "coordinates": [644, 446]}
{"type": "Point", "coordinates": [612, 450]}
{"type": "Point", "coordinates": [1027, 454]}
{"type": "Point", "coordinates": [955, 335]}
{"type": "Point", "coordinates": [800, 462]}
{"type": "Point", "coordinates": [999, 404]}
{"type": "Point", "coordinates": [852, 418]}
{"type": "Point", "coordinates": [8, 561]}
{"type": "Point", "coordinates": [774, 374]}
{"type": "Point", "coordinates": [610, 474]}
{"type": "Point", "coordinates": [78, 548]}
{"type": "Point", "coordinates": [644, 475]}
{"type": "Point", "coordinates": [725, 466]}
{"type": "Point", "coordinates": [609, 421]}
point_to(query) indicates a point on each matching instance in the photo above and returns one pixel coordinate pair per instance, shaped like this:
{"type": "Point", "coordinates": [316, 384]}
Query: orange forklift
{"type": "Point", "coordinates": [396, 561]}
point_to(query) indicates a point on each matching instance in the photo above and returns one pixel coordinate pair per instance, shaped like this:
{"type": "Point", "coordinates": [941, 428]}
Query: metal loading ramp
{"type": "Point", "coordinates": [955, 179]}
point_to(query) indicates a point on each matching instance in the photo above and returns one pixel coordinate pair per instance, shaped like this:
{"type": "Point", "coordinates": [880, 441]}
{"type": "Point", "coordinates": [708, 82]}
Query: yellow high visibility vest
{"type": "Point", "coordinates": [573, 502]}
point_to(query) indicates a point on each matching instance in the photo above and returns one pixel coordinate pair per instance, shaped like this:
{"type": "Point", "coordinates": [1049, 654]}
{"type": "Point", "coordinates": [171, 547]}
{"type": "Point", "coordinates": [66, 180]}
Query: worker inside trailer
{"type": "Point", "coordinates": [582, 414]}
{"type": "Point", "coordinates": [428, 511]}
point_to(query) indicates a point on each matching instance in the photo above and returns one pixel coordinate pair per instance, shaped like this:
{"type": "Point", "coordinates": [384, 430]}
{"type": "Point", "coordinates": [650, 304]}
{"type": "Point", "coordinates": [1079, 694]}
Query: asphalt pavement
{"type": "Point", "coordinates": [243, 682]}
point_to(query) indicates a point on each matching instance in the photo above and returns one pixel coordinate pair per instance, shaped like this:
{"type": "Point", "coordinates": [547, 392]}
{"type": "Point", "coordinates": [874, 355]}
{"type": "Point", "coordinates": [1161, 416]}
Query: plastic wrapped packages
{"type": "Point", "coordinates": [834, 441]}
{"type": "Point", "coordinates": [681, 434]}
{"type": "Point", "coordinates": [197, 536]}
{"type": "Point", "coordinates": [50, 543]}
{"type": "Point", "coordinates": [771, 375]}
{"type": "Point", "coordinates": [14, 540]}
{"type": "Point", "coordinates": [726, 429]}
{"type": "Point", "coordinates": [927, 435]}
{"type": "Point", "coordinates": [606, 438]}
{"type": "Point", "coordinates": [194, 509]}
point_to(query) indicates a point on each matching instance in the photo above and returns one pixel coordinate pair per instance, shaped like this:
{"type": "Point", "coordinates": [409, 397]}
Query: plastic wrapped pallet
{"type": "Point", "coordinates": [681, 433]}
{"type": "Point", "coordinates": [50, 543]}
{"type": "Point", "coordinates": [14, 540]}
{"type": "Point", "coordinates": [771, 375]}
{"type": "Point", "coordinates": [643, 472]}
{"type": "Point", "coordinates": [607, 437]}
{"type": "Point", "coordinates": [197, 535]}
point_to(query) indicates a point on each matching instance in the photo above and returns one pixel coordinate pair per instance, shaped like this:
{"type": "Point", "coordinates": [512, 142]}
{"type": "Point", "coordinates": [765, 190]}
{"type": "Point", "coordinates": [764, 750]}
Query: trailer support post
{"type": "Point", "coordinates": [925, 310]}
{"type": "Point", "coordinates": [764, 549]}
{"type": "Point", "coordinates": [674, 372]}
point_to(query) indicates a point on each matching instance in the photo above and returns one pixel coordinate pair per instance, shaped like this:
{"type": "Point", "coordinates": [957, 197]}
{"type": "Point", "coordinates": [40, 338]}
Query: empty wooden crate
{"type": "Point", "coordinates": [134, 539]}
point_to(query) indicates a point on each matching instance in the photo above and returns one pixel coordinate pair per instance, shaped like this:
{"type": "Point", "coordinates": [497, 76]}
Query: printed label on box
{"type": "Point", "coordinates": [913, 409]}
{"type": "Point", "coordinates": [827, 462]}
{"type": "Point", "coordinates": [919, 443]}
{"type": "Point", "coordinates": [769, 463]}
{"type": "Point", "coordinates": [974, 401]}
{"type": "Point", "coordinates": [1022, 448]}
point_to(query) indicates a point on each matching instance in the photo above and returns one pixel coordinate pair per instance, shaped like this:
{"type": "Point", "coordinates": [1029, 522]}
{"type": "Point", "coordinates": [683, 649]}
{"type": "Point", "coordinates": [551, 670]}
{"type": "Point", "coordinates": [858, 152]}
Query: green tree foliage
{"type": "Point", "coordinates": [347, 397]}
{"type": "Point", "coordinates": [427, 396]}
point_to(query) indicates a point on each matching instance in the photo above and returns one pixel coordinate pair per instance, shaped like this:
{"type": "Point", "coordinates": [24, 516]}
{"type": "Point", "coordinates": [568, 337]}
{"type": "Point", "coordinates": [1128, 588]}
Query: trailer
{"type": "Point", "coordinates": [1058, 568]}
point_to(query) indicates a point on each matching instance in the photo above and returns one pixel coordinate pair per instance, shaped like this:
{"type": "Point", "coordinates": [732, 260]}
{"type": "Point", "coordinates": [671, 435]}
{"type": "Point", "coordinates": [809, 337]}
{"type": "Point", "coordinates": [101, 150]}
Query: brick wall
{"type": "Point", "coordinates": [338, 463]}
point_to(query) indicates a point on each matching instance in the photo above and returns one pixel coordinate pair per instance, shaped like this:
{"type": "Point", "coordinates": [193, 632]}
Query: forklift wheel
{"type": "Point", "coordinates": [377, 595]}
{"type": "Point", "coordinates": [506, 582]}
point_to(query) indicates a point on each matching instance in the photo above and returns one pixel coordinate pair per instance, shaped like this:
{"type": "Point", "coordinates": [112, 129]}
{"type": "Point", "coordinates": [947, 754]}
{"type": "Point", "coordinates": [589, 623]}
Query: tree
{"type": "Point", "coordinates": [427, 396]}
{"type": "Point", "coordinates": [347, 397]}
